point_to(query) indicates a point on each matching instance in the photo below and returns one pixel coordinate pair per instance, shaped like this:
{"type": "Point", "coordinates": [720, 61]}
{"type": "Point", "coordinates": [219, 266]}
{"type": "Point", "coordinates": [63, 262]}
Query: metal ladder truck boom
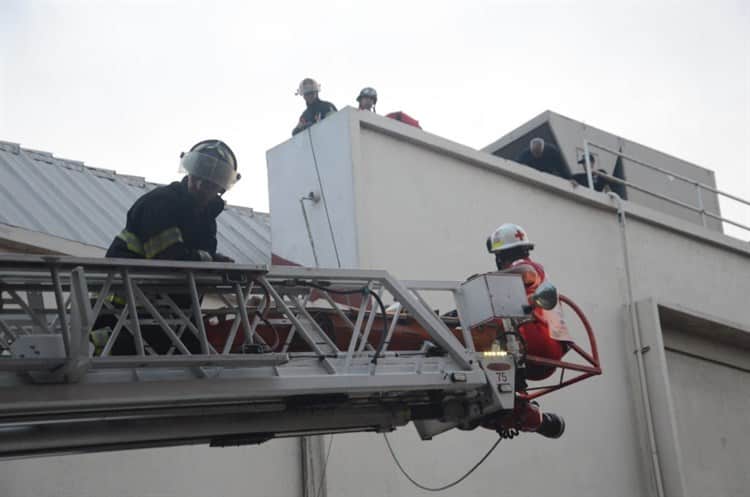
{"type": "Point", "coordinates": [286, 352]}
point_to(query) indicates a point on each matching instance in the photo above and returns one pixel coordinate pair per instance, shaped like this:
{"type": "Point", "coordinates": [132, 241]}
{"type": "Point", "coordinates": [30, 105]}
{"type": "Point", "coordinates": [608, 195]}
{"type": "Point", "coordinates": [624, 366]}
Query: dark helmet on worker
{"type": "Point", "coordinates": [211, 160]}
{"type": "Point", "coordinates": [307, 86]}
{"type": "Point", "coordinates": [368, 92]}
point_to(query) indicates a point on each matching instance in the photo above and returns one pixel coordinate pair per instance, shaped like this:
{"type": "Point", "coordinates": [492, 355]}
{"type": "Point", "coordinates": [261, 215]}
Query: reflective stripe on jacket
{"type": "Point", "coordinates": [166, 223]}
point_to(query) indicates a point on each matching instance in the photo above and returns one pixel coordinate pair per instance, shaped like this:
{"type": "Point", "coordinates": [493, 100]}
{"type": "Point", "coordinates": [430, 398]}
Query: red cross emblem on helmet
{"type": "Point", "coordinates": [508, 236]}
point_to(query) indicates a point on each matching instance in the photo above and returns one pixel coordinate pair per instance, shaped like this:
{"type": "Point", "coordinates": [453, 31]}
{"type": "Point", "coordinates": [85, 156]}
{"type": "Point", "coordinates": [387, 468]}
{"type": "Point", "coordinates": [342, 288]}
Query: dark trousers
{"type": "Point", "coordinates": [154, 335]}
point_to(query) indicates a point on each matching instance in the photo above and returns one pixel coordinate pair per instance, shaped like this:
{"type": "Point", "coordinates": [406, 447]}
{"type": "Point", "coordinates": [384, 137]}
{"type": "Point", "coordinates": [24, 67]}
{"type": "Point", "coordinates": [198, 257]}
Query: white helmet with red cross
{"type": "Point", "coordinates": [506, 237]}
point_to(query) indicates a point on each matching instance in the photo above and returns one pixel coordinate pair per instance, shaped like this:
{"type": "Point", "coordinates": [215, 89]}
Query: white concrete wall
{"type": "Point", "coordinates": [271, 469]}
{"type": "Point", "coordinates": [424, 207]}
{"type": "Point", "coordinates": [317, 160]}
{"type": "Point", "coordinates": [712, 402]}
{"type": "Point", "coordinates": [421, 207]}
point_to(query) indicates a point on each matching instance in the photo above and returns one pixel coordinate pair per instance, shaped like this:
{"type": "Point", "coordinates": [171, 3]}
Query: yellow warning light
{"type": "Point", "coordinates": [494, 353]}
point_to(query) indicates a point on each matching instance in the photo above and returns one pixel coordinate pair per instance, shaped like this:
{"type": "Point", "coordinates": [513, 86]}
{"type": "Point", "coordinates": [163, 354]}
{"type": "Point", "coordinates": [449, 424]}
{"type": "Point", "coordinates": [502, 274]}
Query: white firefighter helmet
{"type": "Point", "coordinates": [508, 236]}
{"type": "Point", "coordinates": [211, 160]}
{"type": "Point", "coordinates": [308, 85]}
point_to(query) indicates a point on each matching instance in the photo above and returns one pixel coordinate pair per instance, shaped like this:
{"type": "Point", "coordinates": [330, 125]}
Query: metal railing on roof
{"type": "Point", "coordinates": [699, 187]}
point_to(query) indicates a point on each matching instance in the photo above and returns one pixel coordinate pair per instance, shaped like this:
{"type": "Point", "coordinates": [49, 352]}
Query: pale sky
{"type": "Point", "coordinates": [127, 85]}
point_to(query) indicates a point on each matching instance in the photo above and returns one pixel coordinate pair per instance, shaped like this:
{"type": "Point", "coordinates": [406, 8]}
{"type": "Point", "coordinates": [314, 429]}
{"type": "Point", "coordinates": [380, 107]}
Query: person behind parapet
{"type": "Point", "coordinates": [545, 336]}
{"type": "Point", "coordinates": [316, 110]}
{"type": "Point", "coordinates": [544, 157]}
{"type": "Point", "coordinates": [367, 99]}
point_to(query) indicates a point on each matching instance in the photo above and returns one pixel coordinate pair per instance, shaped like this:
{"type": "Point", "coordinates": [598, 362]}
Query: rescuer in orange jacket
{"type": "Point", "coordinates": [546, 336]}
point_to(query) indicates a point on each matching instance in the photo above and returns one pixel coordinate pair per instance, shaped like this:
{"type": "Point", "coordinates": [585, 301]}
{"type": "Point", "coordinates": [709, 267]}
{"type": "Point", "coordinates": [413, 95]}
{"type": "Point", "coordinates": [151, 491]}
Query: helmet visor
{"type": "Point", "coordinates": [209, 168]}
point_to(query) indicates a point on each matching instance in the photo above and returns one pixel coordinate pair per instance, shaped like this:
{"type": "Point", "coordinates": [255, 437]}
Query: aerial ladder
{"type": "Point", "coordinates": [279, 352]}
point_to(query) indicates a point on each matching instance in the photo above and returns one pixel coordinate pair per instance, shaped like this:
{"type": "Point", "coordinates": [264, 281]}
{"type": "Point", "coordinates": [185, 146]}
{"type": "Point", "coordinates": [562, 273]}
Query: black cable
{"type": "Point", "coordinates": [324, 288]}
{"type": "Point", "coordinates": [444, 487]}
{"type": "Point", "coordinates": [379, 349]}
{"type": "Point", "coordinates": [322, 195]}
{"type": "Point", "coordinates": [273, 328]}
{"type": "Point", "coordinates": [364, 291]}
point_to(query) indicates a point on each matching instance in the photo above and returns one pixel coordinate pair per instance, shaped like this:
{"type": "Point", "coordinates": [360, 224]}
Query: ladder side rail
{"type": "Point", "coordinates": [123, 322]}
{"type": "Point", "coordinates": [435, 327]}
{"type": "Point", "coordinates": [356, 331]}
{"type": "Point", "coordinates": [179, 332]}
{"type": "Point", "coordinates": [7, 335]}
{"type": "Point", "coordinates": [293, 327]}
{"type": "Point", "coordinates": [245, 322]}
{"type": "Point", "coordinates": [370, 320]}
{"type": "Point", "coordinates": [338, 310]}
{"type": "Point", "coordinates": [103, 295]}
{"type": "Point", "coordinates": [326, 340]}
{"type": "Point", "coordinates": [56, 319]}
{"type": "Point", "coordinates": [35, 318]}
{"type": "Point", "coordinates": [465, 329]}
{"type": "Point", "coordinates": [279, 300]}
{"type": "Point", "coordinates": [184, 319]}
{"type": "Point", "coordinates": [202, 337]}
{"type": "Point", "coordinates": [392, 327]}
{"type": "Point", "coordinates": [121, 317]}
{"type": "Point", "coordinates": [80, 325]}
{"type": "Point", "coordinates": [133, 313]}
{"type": "Point", "coordinates": [454, 287]}
{"type": "Point", "coordinates": [261, 309]}
{"type": "Point", "coordinates": [160, 320]}
{"type": "Point", "coordinates": [236, 322]}
{"type": "Point", "coordinates": [4, 333]}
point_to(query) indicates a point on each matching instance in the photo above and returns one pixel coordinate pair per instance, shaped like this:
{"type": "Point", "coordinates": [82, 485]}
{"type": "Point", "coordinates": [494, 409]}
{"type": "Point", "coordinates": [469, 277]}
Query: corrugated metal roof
{"type": "Point", "coordinates": [69, 200]}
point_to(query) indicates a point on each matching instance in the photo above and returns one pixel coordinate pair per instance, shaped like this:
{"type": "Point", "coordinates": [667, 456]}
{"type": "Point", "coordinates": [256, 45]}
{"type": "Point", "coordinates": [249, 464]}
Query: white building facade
{"type": "Point", "coordinates": [667, 299]}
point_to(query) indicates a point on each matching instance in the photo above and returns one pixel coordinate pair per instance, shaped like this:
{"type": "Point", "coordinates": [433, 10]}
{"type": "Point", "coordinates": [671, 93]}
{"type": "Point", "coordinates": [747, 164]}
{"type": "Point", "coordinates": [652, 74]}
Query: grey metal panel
{"type": "Point", "coordinates": [492, 296]}
{"type": "Point", "coordinates": [69, 200]}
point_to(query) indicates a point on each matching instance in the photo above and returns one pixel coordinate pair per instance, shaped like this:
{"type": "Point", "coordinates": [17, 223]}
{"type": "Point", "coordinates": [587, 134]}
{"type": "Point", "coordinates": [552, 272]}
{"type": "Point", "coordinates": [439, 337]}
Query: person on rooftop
{"type": "Point", "coordinates": [367, 99]}
{"type": "Point", "coordinates": [316, 110]}
{"type": "Point", "coordinates": [544, 157]}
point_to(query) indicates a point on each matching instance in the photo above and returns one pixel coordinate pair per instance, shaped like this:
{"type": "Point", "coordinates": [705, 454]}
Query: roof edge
{"type": "Point", "coordinates": [45, 241]}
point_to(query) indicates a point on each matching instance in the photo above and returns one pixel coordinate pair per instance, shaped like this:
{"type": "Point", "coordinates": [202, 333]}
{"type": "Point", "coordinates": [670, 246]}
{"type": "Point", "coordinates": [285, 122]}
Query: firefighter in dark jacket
{"type": "Point", "coordinates": [176, 222]}
{"type": "Point", "coordinates": [316, 110]}
{"type": "Point", "coordinates": [367, 99]}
